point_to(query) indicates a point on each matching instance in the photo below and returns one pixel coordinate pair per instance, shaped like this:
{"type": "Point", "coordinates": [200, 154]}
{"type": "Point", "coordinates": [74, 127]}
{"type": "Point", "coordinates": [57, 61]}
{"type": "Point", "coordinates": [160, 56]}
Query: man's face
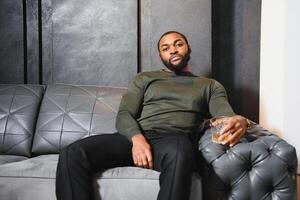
{"type": "Point", "coordinates": [174, 52]}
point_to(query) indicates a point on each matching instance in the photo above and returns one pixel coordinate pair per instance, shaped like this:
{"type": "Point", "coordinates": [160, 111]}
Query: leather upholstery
{"type": "Point", "coordinates": [19, 106]}
{"type": "Point", "coordinates": [261, 167]}
{"type": "Point", "coordinates": [69, 113]}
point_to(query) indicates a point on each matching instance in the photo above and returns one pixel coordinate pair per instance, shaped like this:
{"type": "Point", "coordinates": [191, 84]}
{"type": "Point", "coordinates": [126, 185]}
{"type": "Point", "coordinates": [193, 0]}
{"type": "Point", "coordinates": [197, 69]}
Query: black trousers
{"type": "Point", "coordinates": [174, 155]}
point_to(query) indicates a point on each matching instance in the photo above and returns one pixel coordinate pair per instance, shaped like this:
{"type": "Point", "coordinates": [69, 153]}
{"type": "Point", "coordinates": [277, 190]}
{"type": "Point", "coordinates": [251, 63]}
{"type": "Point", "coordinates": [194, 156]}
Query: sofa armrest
{"type": "Point", "coordinates": [260, 166]}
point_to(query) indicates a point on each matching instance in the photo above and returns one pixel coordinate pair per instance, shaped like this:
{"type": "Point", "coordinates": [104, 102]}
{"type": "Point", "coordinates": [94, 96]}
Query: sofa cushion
{"type": "Point", "coordinates": [19, 105]}
{"type": "Point", "coordinates": [34, 178]}
{"type": "Point", "coordinates": [69, 113]}
{"type": "Point", "coordinates": [129, 182]}
{"type": "Point", "coordinates": [43, 166]}
{"type": "Point", "coordinates": [133, 183]}
{"type": "Point", "coordinates": [40, 172]}
{"type": "Point", "coordinates": [4, 159]}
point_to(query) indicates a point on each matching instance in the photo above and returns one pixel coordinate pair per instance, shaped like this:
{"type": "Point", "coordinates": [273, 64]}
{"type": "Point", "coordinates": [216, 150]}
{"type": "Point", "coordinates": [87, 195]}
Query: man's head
{"type": "Point", "coordinates": [174, 50]}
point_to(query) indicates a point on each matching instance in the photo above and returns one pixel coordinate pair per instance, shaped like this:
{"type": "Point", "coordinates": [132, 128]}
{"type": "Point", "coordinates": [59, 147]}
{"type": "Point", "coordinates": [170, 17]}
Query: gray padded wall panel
{"type": "Point", "coordinates": [70, 112]}
{"type": "Point", "coordinates": [11, 42]}
{"type": "Point", "coordinates": [92, 42]}
{"type": "Point", "coordinates": [19, 106]}
{"type": "Point", "coordinates": [32, 42]}
{"type": "Point", "coordinates": [191, 17]}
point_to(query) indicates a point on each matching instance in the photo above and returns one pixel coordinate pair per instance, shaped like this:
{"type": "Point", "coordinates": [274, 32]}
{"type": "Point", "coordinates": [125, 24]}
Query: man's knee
{"type": "Point", "coordinates": [72, 154]}
{"type": "Point", "coordinates": [181, 152]}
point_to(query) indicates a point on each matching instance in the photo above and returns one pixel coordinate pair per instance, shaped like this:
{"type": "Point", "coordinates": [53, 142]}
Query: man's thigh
{"type": "Point", "coordinates": [170, 146]}
{"type": "Point", "coordinates": [105, 151]}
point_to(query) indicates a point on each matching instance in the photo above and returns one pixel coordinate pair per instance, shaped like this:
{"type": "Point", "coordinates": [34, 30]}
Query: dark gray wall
{"type": "Point", "coordinates": [11, 42]}
{"type": "Point", "coordinates": [97, 42]}
{"type": "Point", "coordinates": [107, 42]}
{"type": "Point", "coordinates": [190, 17]}
{"type": "Point", "coordinates": [236, 52]}
{"type": "Point", "coordinates": [94, 42]}
{"type": "Point", "coordinates": [32, 42]}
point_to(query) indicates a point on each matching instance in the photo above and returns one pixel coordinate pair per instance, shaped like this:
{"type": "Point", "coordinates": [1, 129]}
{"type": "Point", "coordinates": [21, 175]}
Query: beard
{"type": "Point", "coordinates": [177, 67]}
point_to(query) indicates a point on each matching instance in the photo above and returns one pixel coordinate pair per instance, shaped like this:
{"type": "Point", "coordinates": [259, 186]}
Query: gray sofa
{"type": "Point", "coordinates": [36, 122]}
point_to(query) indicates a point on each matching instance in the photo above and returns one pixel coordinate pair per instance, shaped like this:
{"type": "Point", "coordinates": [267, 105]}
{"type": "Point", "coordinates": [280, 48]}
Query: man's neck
{"type": "Point", "coordinates": [185, 69]}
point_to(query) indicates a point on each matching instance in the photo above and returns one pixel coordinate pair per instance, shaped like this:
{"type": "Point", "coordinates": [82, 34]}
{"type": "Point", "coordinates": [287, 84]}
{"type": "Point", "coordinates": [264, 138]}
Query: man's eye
{"type": "Point", "coordinates": [165, 49]}
{"type": "Point", "coordinates": [179, 45]}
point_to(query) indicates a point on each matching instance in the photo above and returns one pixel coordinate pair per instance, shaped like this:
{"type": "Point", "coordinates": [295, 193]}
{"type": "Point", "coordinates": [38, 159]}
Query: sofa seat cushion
{"type": "Point", "coordinates": [29, 179]}
{"type": "Point", "coordinates": [34, 178]}
{"type": "Point", "coordinates": [127, 183]}
{"type": "Point", "coordinates": [133, 183]}
{"type": "Point", "coordinates": [4, 159]}
{"type": "Point", "coordinates": [43, 166]}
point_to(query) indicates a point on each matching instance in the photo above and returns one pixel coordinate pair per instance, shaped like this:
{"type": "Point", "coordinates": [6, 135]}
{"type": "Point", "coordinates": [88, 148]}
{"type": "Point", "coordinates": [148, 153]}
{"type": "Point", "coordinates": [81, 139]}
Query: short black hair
{"type": "Point", "coordinates": [170, 32]}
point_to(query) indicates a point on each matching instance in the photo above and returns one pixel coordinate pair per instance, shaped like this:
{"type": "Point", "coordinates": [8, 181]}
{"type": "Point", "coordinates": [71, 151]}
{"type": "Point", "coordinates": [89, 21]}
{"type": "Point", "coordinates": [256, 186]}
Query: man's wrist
{"type": "Point", "coordinates": [137, 137]}
{"type": "Point", "coordinates": [248, 123]}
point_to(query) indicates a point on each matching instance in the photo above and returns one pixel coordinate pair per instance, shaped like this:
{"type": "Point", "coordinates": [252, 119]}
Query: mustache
{"type": "Point", "coordinates": [175, 55]}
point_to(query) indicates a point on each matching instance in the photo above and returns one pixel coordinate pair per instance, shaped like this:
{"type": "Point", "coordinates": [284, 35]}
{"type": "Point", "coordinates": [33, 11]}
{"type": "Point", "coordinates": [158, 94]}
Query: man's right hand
{"type": "Point", "coordinates": [141, 152]}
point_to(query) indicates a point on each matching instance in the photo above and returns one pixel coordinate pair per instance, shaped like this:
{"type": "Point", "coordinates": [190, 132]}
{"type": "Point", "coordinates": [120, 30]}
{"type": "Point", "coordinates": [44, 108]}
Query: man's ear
{"type": "Point", "coordinates": [189, 48]}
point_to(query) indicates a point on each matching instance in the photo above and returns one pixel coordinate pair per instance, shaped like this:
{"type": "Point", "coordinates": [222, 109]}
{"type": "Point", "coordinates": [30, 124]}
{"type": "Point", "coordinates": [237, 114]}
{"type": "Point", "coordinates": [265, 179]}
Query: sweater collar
{"type": "Point", "coordinates": [179, 73]}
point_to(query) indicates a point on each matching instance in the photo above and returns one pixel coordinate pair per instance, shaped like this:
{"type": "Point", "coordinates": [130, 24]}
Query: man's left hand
{"type": "Point", "coordinates": [234, 129]}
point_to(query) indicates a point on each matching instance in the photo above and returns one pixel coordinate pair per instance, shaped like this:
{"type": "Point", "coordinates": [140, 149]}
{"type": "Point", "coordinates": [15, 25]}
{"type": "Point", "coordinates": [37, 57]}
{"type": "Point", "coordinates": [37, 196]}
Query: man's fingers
{"type": "Point", "coordinates": [232, 139]}
{"type": "Point", "coordinates": [150, 164]}
{"type": "Point", "coordinates": [227, 128]}
{"type": "Point", "coordinates": [227, 133]}
{"type": "Point", "coordinates": [219, 121]}
{"type": "Point", "coordinates": [140, 161]}
{"type": "Point", "coordinates": [149, 159]}
{"type": "Point", "coordinates": [236, 137]}
{"type": "Point", "coordinates": [135, 160]}
{"type": "Point", "coordinates": [143, 159]}
{"type": "Point", "coordinates": [224, 137]}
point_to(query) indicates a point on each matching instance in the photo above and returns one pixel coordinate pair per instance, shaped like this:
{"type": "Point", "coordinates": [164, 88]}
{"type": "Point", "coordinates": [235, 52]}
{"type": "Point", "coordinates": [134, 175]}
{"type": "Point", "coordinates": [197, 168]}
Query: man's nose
{"type": "Point", "coordinates": [173, 50]}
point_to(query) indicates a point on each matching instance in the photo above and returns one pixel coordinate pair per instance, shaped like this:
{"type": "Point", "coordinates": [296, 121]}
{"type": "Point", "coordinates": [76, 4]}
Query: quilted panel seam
{"type": "Point", "coordinates": [3, 137]}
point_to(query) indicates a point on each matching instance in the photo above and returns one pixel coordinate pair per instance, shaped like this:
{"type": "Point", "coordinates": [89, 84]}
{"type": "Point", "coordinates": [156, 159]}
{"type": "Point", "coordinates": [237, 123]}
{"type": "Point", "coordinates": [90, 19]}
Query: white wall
{"type": "Point", "coordinates": [280, 69]}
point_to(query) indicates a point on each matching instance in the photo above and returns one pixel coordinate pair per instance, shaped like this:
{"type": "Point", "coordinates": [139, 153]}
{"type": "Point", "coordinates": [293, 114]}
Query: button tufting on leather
{"type": "Point", "coordinates": [252, 168]}
{"type": "Point", "coordinates": [228, 188]}
{"type": "Point", "coordinates": [249, 167]}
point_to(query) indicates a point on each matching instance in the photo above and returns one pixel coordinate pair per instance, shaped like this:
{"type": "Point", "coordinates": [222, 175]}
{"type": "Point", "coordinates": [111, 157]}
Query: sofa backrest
{"type": "Point", "coordinates": [19, 105]}
{"type": "Point", "coordinates": [69, 113]}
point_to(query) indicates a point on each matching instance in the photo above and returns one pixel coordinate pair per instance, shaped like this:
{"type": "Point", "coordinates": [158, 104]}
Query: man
{"type": "Point", "coordinates": [157, 121]}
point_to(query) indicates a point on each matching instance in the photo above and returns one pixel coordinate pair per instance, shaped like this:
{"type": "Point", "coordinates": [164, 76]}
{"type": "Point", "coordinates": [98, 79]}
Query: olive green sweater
{"type": "Point", "coordinates": [167, 102]}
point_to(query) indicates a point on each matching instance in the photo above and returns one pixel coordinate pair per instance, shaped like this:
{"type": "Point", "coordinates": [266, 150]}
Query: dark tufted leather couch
{"type": "Point", "coordinates": [36, 122]}
{"type": "Point", "coordinates": [261, 166]}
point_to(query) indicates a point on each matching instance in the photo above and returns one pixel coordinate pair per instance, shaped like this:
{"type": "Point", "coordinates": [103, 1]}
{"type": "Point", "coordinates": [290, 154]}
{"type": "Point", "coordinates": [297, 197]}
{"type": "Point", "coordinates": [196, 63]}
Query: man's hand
{"type": "Point", "coordinates": [234, 128]}
{"type": "Point", "coordinates": [141, 152]}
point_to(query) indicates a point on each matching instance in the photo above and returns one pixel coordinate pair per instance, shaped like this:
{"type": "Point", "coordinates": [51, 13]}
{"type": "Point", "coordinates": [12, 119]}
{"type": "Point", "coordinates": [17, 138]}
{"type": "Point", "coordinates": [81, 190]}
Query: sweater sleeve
{"type": "Point", "coordinates": [218, 103]}
{"type": "Point", "coordinates": [130, 107]}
